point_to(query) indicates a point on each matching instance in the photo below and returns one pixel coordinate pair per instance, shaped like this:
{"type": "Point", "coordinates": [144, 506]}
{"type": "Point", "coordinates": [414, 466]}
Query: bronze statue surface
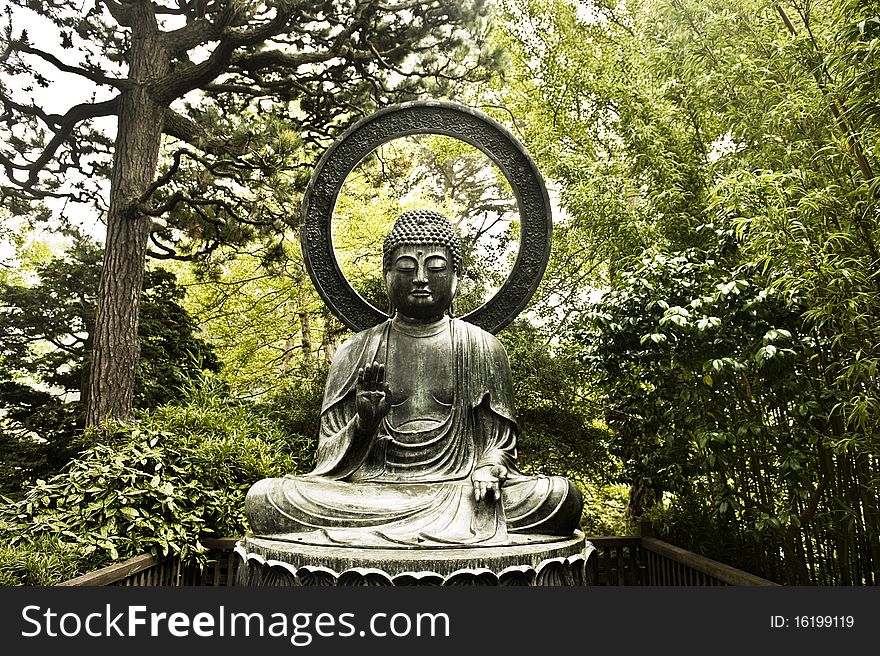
{"type": "Point", "coordinates": [417, 442]}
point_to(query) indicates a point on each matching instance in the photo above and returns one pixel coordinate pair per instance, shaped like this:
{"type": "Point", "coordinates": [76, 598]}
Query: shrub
{"type": "Point", "coordinates": [158, 484]}
{"type": "Point", "coordinates": [46, 560]}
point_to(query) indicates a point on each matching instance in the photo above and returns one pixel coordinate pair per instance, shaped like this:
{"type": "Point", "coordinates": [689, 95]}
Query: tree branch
{"type": "Point", "coordinates": [189, 36]}
{"type": "Point", "coordinates": [187, 78]}
{"type": "Point", "coordinates": [121, 13]}
{"type": "Point", "coordinates": [65, 124]}
{"type": "Point", "coordinates": [220, 168]}
{"type": "Point", "coordinates": [170, 254]}
{"type": "Point", "coordinates": [171, 11]}
{"type": "Point", "coordinates": [193, 77]}
{"type": "Point", "coordinates": [268, 58]}
{"type": "Point", "coordinates": [94, 76]}
{"type": "Point", "coordinates": [256, 35]}
{"type": "Point", "coordinates": [28, 110]}
{"type": "Point", "coordinates": [338, 48]}
{"type": "Point", "coordinates": [186, 130]}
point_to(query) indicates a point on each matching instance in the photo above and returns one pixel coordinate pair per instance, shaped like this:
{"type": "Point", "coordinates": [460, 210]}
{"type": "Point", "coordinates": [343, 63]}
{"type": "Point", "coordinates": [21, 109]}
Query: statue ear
{"type": "Point", "coordinates": [454, 292]}
{"type": "Point", "coordinates": [387, 277]}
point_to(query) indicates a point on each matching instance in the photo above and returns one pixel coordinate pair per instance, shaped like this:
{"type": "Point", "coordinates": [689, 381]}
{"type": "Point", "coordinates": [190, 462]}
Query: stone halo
{"type": "Point", "coordinates": [426, 117]}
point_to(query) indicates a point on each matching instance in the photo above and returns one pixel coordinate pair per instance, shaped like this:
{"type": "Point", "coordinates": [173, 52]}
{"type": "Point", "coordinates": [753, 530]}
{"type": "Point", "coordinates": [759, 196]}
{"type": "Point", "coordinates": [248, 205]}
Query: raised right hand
{"type": "Point", "coordinates": [373, 397]}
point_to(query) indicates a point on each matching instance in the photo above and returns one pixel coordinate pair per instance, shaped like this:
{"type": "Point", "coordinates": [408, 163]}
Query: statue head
{"type": "Point", "coordinates": [421, 261]}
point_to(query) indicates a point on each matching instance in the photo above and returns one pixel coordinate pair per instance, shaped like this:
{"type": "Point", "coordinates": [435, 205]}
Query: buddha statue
{"type": "Point", "coordinates": [417, 442]}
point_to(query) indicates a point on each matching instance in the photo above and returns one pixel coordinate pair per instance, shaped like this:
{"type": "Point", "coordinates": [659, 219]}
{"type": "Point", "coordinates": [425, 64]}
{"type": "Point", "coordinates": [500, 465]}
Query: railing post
{"type": "Point", "coordinates": [643, 568]}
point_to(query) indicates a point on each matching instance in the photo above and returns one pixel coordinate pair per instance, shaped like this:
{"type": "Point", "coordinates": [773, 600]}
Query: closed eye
{"type": "Point", "coordinates": [405, 264]}
{"type": "Point", "coordinates": [436, 263]}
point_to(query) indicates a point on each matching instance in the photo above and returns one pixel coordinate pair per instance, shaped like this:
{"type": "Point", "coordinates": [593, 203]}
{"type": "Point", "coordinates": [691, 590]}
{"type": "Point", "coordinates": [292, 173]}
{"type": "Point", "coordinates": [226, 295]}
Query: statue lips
{"type": "Point", "coordinates": [421, 293]}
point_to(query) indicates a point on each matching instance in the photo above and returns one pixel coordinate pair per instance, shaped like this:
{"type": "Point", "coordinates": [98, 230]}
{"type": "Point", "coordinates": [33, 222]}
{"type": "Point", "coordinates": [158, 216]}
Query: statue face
{"type": "Point", "coordinates": [421, 282]}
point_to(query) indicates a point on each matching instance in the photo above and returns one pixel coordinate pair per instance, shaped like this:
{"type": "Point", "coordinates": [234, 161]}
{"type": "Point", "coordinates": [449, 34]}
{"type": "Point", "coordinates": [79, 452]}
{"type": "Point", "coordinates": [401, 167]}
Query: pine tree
{"type": "Point", "coordinates": [213, 102]}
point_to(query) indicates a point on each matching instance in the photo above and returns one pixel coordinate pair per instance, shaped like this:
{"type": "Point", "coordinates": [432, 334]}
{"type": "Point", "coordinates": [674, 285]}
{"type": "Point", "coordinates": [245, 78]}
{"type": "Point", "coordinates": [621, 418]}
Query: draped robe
{"type": "Point", "coordinates": [413, 487]}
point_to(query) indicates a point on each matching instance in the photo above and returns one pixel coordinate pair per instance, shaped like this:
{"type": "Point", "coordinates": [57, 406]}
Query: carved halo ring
{"type": "Point", "coordinates": [426, 117]}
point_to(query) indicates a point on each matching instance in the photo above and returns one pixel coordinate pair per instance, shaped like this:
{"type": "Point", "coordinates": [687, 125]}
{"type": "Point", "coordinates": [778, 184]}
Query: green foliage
{"type": "Point", "coordinates": [157, 485]}
{"type": "Point", "coordinates": [263, 319]}
{"type": "Point", "coordinates": [810, 240]}
{"type": "Point", "coordinates": [559, 430]}
{"type": "Point", "coordinates": [295, 407]}
{"type": "Point", "coordinates": [717, 392]}
{"type": "Point", "coordinates": [740, 363]}
{"type": "Point", "coordinates": [857, 62]}
{"type": "Point", "coordinates": [173, 350]}
{"type": "Point", "coordinates": [693, 520]}
{"type": "Point", "coordinates": [47, 560]}
{"type": "Point", "coordinates": [47, 324]}
{"type": "Point", "coordinates": [605, 509]}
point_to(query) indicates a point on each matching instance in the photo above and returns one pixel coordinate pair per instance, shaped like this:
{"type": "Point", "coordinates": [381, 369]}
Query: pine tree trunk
{"type": "Point", "coordinates": [85, 378]}
{"type": "Point", "coordinates": [139, 137]}
{"type": "Point", "coordinates": [641, 499]}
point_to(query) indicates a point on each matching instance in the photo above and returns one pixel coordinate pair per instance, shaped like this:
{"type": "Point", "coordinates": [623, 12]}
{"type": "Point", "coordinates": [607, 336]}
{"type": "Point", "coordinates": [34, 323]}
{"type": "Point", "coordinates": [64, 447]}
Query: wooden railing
{"type": "Point", "coordinates": [619, 560]}
{"type": "Point", "coordinates": [152, 571]}
{"type": "Point", "coordinates": [648, 561]}
{"type": "Point", "coordinates": [630, 561]}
